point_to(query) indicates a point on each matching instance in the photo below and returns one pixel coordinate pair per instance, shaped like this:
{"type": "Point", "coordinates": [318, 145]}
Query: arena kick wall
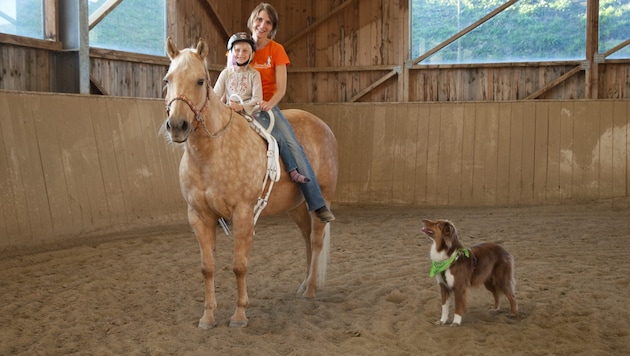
{"type": "Point", "coordinates": [76, 167]}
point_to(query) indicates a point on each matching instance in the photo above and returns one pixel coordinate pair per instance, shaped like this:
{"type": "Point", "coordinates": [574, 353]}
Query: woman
{"type": "Point", "coordinates": [271, 61]}
{"type": "Point", "coordinates": [240, 80]}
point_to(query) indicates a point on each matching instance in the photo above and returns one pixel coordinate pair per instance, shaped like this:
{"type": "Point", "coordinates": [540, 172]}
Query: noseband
{"type": "Point", "coordinates": [198, 112]}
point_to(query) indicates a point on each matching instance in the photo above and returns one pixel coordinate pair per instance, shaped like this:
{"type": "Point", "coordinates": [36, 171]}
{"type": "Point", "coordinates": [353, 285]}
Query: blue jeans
{"type": "Point", "coordinates": [293, 156]}
{"type": "Point", "coordinates": [283, 147]}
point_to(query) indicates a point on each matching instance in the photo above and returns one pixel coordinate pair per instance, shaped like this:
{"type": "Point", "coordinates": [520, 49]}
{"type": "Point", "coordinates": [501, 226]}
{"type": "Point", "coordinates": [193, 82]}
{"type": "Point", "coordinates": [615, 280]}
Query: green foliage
{"type": "Point", "coordinates": [28, 21]}
{"type": "Point", "coordinates": [529, 30]}
{"type": "Point", "coordinates": [137, 26]}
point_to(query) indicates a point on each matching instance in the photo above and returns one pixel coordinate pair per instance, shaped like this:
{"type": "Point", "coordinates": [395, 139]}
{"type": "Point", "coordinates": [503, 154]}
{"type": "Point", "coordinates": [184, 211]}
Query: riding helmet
{"type": "Point", "coordinates": [241, 37]}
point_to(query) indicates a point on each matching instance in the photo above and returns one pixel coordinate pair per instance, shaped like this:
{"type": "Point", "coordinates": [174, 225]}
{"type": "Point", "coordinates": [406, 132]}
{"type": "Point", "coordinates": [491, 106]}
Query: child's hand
{"type": "Point", "coordinates": [236, 106]}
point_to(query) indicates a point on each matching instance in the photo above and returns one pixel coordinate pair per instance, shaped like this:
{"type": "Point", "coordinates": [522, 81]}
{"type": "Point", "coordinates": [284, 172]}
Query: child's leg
{"type": "Point", "coordinates": [283, 148]}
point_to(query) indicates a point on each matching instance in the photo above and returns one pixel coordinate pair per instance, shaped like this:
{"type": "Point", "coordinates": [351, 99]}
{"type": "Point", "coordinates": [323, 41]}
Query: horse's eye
{"type": "Point", "coordinates": [165, 81]}
{"type": "Point", "coordinates": [200, 82]}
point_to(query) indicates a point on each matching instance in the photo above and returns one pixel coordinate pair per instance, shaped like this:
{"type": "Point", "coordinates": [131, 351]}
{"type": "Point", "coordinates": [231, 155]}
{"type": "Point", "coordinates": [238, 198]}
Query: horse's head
{"type": "Point", "coordinates": [187, 89]}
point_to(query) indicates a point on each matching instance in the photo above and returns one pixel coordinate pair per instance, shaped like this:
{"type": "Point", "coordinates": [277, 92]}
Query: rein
{"type": "Point", "coordinates": [199, 112]}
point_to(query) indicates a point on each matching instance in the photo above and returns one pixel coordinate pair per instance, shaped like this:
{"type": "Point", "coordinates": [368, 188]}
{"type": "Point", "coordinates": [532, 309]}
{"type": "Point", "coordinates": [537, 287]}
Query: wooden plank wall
{"type": "Point", "coordinates": [24, 68]}
{"type": "Point", "coordinates": [126, 78]}
{"type": "Point", "coordinates": [75, 166]}
{"type": "Point", "coordinates": [472, 154]}
{"type": "Point", "coordinates": [334, 62]}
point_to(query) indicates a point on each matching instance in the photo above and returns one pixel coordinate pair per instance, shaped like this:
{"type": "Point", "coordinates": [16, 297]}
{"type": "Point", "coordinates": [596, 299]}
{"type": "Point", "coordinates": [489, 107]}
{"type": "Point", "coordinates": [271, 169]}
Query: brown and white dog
{"type": "Point", "coordinates": [456, 268]}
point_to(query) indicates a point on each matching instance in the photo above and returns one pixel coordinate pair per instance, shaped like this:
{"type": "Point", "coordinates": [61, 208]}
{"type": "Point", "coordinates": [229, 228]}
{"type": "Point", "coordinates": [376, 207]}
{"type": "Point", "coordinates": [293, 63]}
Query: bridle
{"type": "Point", "coordinates": [199, 112]}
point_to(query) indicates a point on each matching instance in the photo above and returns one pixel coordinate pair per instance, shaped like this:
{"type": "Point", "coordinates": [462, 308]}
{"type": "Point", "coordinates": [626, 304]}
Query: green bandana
{"type": "Point", "coordinates": [441, 266]}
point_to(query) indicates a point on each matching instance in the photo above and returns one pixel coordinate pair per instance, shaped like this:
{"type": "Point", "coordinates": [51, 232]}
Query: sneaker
{"type": "Point", "coordinates": [324, 214]}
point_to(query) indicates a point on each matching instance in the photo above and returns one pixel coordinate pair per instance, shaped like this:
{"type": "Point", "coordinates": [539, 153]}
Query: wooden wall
{"type": "Point", "coordinates": [112, 76]}
{"type": "Point", "coordinates": [23, 68]}
{"type": "Point", "coordinates": [471, 154]}
{"type": "Point", "coordinates": [74, 166]}
{"type": "Point", "coordinates": [341, 51]}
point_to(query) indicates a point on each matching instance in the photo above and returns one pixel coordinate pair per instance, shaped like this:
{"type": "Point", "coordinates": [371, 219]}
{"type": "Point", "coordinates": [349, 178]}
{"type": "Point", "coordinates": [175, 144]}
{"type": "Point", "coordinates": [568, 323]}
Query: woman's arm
{"type": "Point", "coordinates": [281, 88]}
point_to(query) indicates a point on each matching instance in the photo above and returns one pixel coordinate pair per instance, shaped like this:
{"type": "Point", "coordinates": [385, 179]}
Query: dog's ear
{"type": "Point", "coordinates": [450, 233]}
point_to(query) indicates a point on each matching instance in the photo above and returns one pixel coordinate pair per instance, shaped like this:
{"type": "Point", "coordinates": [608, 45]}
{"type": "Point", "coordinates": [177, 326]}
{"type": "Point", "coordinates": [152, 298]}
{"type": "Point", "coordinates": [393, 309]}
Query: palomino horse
{"type": "Point", "coordinates": [222, 171]}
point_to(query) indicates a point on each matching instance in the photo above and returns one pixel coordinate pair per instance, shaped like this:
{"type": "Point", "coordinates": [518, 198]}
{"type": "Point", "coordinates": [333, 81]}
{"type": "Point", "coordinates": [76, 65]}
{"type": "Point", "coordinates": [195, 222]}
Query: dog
{"type": "Point", "coordinates": [456, 268]}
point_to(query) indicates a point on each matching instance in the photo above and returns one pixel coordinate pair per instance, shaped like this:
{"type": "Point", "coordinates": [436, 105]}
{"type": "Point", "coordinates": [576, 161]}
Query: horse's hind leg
{"type": "Point", "coordinates": [302, 219]}
{"type": "Point", "coordinates": [316, 240]}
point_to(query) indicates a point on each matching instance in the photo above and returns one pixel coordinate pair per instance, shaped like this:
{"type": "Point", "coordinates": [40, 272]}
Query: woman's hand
{"type": "Point", "coordinates": [264, 105]}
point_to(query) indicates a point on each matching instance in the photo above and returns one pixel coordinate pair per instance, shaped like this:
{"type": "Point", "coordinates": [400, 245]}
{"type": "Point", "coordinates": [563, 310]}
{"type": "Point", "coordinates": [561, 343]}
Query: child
{"type": "Point", "coordinates": [241, 79]}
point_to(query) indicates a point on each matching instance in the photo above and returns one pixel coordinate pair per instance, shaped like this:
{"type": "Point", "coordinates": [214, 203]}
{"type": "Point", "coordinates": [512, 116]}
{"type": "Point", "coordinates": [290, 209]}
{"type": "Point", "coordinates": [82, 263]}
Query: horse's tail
{"type": "Point", "coordinates": [322, 264]}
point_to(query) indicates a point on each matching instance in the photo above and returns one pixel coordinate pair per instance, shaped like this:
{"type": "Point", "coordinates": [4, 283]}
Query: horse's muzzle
{"type": "Point", "coordinates": [178, 129]}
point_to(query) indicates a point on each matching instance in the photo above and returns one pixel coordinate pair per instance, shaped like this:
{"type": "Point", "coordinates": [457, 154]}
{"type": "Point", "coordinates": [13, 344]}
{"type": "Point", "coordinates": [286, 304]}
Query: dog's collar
{"type": "Point", "coordinates": [441, 266]}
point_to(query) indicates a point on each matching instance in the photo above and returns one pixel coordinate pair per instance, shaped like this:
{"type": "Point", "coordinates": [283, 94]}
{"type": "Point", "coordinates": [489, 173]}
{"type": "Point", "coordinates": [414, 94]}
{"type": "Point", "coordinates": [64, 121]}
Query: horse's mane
{"type": "Point", "coordinates": [185, 59]}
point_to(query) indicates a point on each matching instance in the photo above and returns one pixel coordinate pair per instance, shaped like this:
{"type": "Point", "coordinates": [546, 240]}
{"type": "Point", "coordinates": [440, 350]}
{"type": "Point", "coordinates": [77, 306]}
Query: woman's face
{"type": "Point", "coordinates": [241, 52]}
{"type": "Point", "coordinates": [262, 25]}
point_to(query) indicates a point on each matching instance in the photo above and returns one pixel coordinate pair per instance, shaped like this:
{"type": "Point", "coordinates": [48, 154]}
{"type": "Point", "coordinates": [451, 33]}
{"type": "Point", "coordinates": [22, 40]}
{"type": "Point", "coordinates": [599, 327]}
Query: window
{"type": "Point", "coordinates": [529, 30]}
{"type": "Point", "coordinates": [22, 18]}
{"type": "Point", "coordinates": [614, 26]}
{"type": "Point", "coordinates": [137, 26]}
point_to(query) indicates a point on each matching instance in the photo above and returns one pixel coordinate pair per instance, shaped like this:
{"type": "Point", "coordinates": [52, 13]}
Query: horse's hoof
{"type": "Point", "coordinates": [238, 323]}
{"type": "Point", "coordinates": [206, 326]}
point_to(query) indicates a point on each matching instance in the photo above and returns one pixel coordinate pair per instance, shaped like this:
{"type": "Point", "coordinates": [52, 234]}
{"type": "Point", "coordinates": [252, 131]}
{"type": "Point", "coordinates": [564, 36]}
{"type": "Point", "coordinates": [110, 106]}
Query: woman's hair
{"type": "Point", "coordinates": [273, 15]}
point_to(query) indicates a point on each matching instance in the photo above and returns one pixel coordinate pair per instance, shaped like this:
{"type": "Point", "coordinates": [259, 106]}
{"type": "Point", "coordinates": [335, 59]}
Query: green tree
{"type": "Point", "coordinates": [529, 30]}
{"type": "Point", "coordinates": [133, 26]}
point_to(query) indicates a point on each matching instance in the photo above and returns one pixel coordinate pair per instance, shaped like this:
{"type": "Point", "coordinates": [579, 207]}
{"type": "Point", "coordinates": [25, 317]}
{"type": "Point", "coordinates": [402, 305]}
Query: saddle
{"type": "Point", "coordinates": [273, 161]}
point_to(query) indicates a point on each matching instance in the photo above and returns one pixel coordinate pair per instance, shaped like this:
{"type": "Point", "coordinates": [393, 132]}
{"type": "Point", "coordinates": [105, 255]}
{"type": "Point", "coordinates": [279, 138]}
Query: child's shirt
{"type": "Point", "coordinates": [245, 83]}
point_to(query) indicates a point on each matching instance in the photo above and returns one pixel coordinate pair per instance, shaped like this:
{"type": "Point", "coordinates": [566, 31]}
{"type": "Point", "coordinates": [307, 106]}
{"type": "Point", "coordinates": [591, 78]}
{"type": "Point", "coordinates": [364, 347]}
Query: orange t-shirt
{"type": "Point", "coordinates": [265, 61]}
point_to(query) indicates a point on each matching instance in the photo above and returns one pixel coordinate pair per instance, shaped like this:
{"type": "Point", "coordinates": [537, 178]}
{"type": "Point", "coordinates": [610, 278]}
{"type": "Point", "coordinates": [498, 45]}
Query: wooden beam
{"type": "Point", "coordinates": [616, 48]}
{"type": "Point", "coordinates": [101, 12]}
{"type": "Point", "coordinates": [216, 19]}
{"type": "Point", "coordinates": [51, 29]}
{"type": "Point", "coordinates": [98, 87]}
{"type": "Point", "coordinates": [494, 65]}
{"type": "Point", "coordinates": [131, 57]}
{"type": "Point", "coordinates": [341, 69]}
{"type": "Point", "coordinates": [464, 31]}
{"type": "Point", "coordinates": [30, 42]}
{"type": "Point", "coordinates": [315, 24]}
{"type": "Point", "coordinates": [375, 84]}
{"type": "Point", "coordinates": [554, 83]}
{"type": "Point", "coordinates": [592, 44]}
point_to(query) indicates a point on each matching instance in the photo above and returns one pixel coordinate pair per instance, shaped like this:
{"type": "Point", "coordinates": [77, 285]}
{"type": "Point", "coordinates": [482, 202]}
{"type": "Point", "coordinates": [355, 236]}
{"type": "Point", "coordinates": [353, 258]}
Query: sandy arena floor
{"type": "Point", "coordinates": [142, 293]}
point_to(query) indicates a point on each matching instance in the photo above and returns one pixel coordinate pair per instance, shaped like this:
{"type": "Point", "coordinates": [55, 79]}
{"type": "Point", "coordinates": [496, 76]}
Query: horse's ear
{"type": "Point", "coordinates": [171, 48]}
{"type": "Point", "coordinates": [202, 48]}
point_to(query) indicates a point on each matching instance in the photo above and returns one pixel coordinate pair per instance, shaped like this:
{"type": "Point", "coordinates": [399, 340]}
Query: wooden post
{"type": "Point", "coordinates": [592, 44]}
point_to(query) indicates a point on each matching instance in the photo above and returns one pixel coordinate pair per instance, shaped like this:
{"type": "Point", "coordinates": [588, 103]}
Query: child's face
{"type": "Point", "coordinates": [242, 52]}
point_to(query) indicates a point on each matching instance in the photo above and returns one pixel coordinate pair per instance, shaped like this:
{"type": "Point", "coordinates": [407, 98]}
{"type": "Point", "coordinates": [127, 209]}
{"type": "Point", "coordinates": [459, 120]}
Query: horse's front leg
{"type": "Point", "coordinates": [205, 231]}
{"type": "Point", "coordinates": [243, 228]}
